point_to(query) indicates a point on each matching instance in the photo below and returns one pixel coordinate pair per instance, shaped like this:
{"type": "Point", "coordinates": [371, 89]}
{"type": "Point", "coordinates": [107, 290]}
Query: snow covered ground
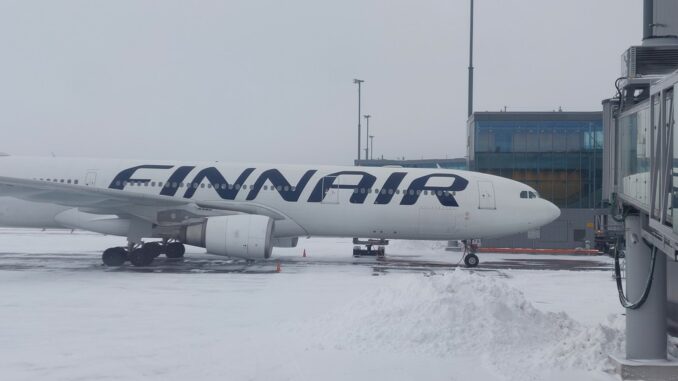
{"type": "Point", "coordinates": [324, 317]}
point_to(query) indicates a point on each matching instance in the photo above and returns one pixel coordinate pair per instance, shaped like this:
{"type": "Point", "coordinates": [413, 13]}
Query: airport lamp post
{"type": "Point", "coordinates": [371, 147]}
{"type": "Point", "coordinates": [359, 83]}
{"type": "Point", "coordinates": [470, 65]}
{"type": "Point", "coordinates": [367, 124]}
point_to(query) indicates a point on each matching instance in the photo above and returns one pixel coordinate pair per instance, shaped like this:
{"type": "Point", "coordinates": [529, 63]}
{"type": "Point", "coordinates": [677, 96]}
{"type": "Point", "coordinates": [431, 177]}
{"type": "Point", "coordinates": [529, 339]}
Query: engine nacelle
{"type": "Point", "coordinates": [245, 236]}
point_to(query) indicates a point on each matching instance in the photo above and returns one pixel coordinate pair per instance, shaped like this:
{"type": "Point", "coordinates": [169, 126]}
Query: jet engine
{"type": "Point", "coordinates": [245, 236]}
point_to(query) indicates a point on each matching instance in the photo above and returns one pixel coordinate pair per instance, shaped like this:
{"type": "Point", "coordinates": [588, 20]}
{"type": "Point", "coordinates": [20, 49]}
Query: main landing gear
{"type": "Point", "coordinates": [142, 255]}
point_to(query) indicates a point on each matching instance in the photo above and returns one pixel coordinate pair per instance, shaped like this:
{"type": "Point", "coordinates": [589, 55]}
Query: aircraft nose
{"type": "Point", "coordinates": [551, 212]}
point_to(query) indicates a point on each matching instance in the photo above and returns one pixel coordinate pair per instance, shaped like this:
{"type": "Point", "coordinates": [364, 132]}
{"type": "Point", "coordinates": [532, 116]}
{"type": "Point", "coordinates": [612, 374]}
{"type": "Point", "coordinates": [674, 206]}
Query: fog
{"type": "Point", "coordinates": [272, 81]}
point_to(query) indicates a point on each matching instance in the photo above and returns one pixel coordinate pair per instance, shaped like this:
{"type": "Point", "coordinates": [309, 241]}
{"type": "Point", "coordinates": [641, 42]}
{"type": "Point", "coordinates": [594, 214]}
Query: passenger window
{"type": "Point", "coordinates": [390, 191]}
{"type": "Point", "coordinates": [293, 188]}
{"type": "Point", "coordinates": [279, 188]}
{"type": "Point", "coordinates": [265, 187]}
{"type": "Point", "coordinates": [159, 183]}
{"type": "Point", "coordinates": [202, 185]}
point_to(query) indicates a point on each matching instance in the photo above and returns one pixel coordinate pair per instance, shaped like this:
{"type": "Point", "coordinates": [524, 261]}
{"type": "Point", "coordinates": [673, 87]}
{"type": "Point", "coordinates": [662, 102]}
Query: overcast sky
{"type": "Point", "coordinates": [271, 81]}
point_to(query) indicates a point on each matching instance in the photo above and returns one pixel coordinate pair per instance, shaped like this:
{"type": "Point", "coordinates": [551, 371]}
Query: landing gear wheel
{"type": "Point", "coordinates": [175, 250]}
{"type": "Point", "coordinates": [155, 248]}
{"type": "Point", "coordinates": [141, 257]}
{"type": "Point", "coordinates": [115, 256]}
{"type": "Point", "coordinates": [471, 260]}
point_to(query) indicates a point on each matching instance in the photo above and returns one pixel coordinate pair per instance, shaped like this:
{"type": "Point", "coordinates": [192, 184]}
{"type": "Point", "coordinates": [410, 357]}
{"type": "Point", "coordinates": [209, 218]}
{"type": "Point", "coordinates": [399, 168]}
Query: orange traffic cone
{"type": "Point", "coordinates": [304, 253]}
{"type": "Point", "coordinates": [277, 267]}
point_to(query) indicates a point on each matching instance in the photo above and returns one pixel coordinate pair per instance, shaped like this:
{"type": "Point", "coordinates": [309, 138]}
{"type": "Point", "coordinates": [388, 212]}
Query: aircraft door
{"type": "Point", "coordinates": [486, 195]}
{"type": "Point", "coordinates": [332, 195]}
{"type": "Point", "coordinates": [91, 178]}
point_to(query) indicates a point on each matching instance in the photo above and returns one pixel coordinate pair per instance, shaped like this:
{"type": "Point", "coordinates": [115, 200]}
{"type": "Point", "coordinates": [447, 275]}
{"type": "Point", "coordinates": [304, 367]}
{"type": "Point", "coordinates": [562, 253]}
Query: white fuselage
{"type": "Point", "coordinates": [390, 203]}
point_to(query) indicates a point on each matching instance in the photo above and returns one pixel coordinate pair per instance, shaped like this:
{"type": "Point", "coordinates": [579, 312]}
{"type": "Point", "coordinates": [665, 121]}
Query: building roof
{"type": "Point", "coordinates": [536, 116]}
{"type": "Point", "coordinates": [456, 162]}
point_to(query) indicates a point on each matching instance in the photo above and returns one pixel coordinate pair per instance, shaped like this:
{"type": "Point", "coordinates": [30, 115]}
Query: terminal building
{"type": "Point", "coordinates": [560, 154]}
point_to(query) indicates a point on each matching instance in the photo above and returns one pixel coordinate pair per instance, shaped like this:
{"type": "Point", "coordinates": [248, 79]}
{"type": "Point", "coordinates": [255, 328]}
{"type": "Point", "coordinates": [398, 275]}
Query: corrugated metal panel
{"type": "Point", "coordinates": [648, 60]}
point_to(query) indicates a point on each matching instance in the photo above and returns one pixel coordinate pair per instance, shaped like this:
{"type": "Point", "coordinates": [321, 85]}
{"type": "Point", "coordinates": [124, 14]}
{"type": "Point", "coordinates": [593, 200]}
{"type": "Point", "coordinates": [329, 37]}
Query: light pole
{"type": "Point", "coordinates": [359, 83]}
{"type": "Point", "coordinates": [470, 66]}
{"type": "Point", "coordinates": [367, 123]}
{"type": "Point", "coordinates": [371, 147]}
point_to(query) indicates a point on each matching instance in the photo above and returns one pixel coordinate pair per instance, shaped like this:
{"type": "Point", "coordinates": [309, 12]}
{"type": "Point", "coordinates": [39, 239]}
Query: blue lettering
{"type": "Point", "coordinates": [445, 194]}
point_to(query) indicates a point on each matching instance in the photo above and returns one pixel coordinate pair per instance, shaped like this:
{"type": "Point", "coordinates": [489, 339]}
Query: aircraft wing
{"type": "Point", "coordinates": [158, 209]}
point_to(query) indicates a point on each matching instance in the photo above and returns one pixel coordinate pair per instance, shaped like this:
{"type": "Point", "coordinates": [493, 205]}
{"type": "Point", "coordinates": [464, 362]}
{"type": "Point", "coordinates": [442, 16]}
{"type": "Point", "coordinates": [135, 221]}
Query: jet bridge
{"type": "Point", "coordinates": [641, 183]}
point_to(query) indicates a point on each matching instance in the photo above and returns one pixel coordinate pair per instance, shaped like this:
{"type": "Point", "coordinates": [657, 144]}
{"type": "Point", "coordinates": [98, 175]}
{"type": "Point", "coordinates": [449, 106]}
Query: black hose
{"type": "Point", "coordinates": [648, 283]}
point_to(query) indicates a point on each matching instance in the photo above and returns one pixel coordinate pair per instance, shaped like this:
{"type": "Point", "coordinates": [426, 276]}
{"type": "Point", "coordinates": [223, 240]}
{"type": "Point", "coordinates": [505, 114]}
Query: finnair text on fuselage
{"type": "Point", "coordinates": [292, 192]}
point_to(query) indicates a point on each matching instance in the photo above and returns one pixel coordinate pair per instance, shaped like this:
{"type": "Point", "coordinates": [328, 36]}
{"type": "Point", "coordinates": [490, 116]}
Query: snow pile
{"type": "Point", "coordinates": [466, 314]}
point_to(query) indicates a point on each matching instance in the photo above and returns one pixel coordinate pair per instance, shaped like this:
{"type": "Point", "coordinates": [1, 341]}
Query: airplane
{"type": "Point", "coordinates": [244, 211]}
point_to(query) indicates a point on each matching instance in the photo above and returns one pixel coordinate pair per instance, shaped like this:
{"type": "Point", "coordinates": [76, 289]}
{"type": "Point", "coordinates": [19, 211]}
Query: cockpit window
{"type": "Point", "coordinates": [529, 194]}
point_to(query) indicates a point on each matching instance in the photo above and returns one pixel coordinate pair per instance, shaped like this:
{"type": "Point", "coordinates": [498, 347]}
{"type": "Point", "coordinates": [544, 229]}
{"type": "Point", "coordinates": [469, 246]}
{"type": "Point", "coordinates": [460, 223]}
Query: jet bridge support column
{"type": "Point", "coordinates": [645, 326]}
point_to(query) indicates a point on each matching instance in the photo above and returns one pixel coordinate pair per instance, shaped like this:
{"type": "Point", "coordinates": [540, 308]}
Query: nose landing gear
{"type": "Point", "coordinates": [471, 260]}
